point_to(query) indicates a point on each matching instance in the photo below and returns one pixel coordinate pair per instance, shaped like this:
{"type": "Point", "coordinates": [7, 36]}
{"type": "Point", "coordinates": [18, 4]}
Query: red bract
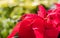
{"type": "Point", "coordinates": [36, 26]}
{"type": "Point", "coordinates": [57, 5]}
{"type": "Point", "coordinates": [54, 18]}
{"type": "Point", "coordinates": [42, 12]}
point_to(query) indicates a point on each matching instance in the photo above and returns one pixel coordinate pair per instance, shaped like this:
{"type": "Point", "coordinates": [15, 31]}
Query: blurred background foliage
{"type": "Point", "coordinates": [12, 10]}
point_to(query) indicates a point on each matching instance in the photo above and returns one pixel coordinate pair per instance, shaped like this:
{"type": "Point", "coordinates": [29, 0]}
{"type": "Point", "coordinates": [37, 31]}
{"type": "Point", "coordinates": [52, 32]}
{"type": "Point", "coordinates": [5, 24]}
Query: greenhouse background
{"type": "Point", "coordinates": [12, 10]}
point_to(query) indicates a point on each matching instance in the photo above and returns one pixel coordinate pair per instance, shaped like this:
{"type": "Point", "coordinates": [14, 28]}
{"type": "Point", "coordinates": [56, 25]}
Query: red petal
{"type": "Point", "coordinates": [26, 30]}
{"type": "Point", "coordinates": [42, 12]}
{"type": "Point", "coordinates": [51, 31]}
{"type": "Point", "coordinates": [38, 27]}
{"type": "Point", "coordinates": [15, 30]}
{"type": "Point", "coordinates": [57, 5]}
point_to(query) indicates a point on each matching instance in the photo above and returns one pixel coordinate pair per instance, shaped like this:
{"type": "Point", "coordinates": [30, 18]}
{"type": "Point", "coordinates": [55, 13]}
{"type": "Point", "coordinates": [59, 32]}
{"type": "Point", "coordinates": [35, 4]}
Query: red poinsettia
{"type": "Point", "coordinates": [41, 25]}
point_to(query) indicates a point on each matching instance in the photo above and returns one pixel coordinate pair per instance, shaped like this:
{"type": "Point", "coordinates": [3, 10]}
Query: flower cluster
{"type": "Point", "coordinates": [45, 24]}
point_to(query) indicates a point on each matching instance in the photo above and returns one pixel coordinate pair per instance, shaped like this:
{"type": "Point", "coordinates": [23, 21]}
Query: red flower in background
{"type": "Point", "coordinates": [41, 25]}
